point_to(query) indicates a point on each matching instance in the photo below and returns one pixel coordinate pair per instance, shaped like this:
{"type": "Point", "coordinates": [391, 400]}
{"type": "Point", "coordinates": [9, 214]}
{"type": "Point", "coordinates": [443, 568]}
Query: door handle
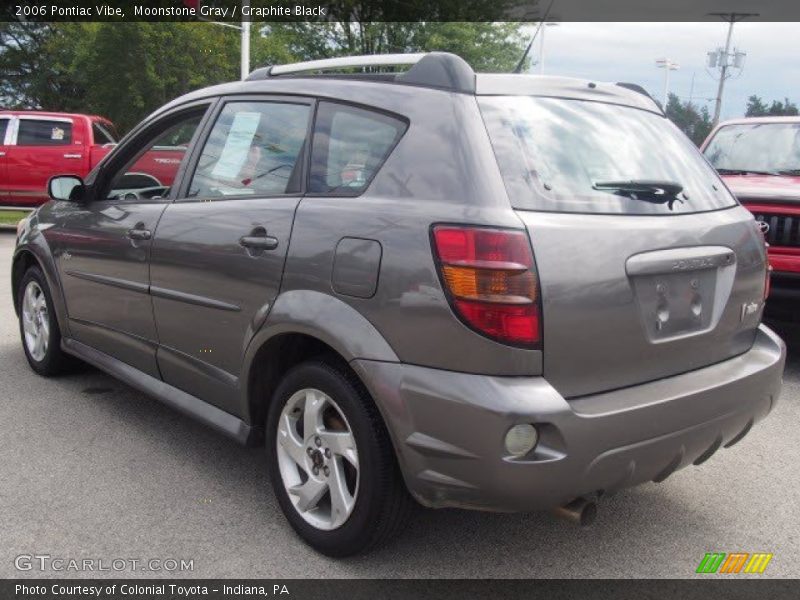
{"type": "Point", "coordinates": [2, 153]}
{"type": "Point", "coordinates": [259, 242]}
{"type": "Point", "coordinates": [139, 234]}
{"type": "Point", "coordinates": [73, 156]}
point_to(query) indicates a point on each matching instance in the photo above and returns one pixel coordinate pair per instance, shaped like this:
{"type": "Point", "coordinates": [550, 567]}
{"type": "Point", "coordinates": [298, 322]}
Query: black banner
{"type": "Point", "coordinates": [405, 589]}
{"type": "Point", "coordinates": [393, 10]}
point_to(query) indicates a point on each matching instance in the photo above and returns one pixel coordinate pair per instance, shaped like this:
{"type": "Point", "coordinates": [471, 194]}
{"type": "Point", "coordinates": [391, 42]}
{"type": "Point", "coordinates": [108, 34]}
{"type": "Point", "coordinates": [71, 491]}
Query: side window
{"type": "Point", "coordinates": [350, 144]}
{"type": "Point", "coordinates": [252, 150]}
{"type": "Point", "coordinates": [101, 136]}
{"type": "Point", "coordinates": [3, 129]}
{"type": "Point", "coordinates": [38, 132]}
{"type": "Point", "coordinates": [151, 172]}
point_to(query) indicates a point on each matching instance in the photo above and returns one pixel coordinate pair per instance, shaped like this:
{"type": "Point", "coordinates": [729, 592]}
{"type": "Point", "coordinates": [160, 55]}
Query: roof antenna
{"type": "Point", "coordinates": [518, 68]}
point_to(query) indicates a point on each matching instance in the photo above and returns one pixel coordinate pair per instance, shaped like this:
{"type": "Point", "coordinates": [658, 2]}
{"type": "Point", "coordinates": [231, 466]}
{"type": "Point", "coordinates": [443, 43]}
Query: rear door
{"type": "Point", "coordinates": [219, 250]}
{"type": "Point", "coordinates": [637, 283]}
{"type": "Point", "coordinates": [44, 146]}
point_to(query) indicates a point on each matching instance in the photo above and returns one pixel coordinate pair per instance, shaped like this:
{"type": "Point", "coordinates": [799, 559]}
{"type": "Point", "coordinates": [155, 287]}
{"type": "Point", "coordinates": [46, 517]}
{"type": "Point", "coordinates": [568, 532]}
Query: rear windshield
{"type": "Point", "coordinates": [748, 147]}
{"type": "Point", "coordinates": [591, 157]}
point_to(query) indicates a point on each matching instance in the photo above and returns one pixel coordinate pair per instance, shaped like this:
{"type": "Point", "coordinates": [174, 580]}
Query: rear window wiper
{"type": "Point", "coordinates": [789, 172]}
{"type": "Point", "coordinates": [746, 172]}
{"type": "Point", "coordinates": [656, 192]}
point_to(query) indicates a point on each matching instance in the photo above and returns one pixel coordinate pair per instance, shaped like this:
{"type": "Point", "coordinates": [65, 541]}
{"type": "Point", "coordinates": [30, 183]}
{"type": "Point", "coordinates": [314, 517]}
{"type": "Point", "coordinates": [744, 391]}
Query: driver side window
{"type": "Point", "coordinates": [151, 172]}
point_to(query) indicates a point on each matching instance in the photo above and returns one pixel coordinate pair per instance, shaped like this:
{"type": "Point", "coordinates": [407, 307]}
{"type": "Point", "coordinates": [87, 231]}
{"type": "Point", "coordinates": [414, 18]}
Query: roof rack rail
{"type": "Point", "coordinates": [635, 87]}
{"type": "Point", "coordinates": [440, 70]}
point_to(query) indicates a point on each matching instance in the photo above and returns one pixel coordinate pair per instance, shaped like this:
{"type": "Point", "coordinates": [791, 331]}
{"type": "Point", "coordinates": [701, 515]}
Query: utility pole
{"type": "Point", "coordinates": [668, 65]}
{"type": "Point", "coordinates": [723, 57]}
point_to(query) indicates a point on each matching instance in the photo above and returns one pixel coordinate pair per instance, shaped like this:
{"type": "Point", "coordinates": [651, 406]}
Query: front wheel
{"type": "Point", "coordinates": [331, 462]}
{"type": "Point", "coordinates": [41, 337]}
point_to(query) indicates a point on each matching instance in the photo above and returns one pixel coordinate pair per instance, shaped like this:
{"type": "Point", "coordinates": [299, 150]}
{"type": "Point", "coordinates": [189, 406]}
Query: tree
{"type": "Point", "coordinates": [36, 62]}
{"type": "Point", "coordinates": [134, 68]}
{"type": "Point", "coordinates": [485, 46]}
{"type": "Point", "coordinates": [126, 70]}
{"type": "Point", "coordinates": [120, 70]}
{"type": "Point", "coordinates": [693, 121]}
{"type": "Point", "coordinates": [757, 108]}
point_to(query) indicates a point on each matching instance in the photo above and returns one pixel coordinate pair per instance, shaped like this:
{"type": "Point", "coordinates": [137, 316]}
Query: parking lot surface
{"type": "Point", "coordinates": [90, 468]}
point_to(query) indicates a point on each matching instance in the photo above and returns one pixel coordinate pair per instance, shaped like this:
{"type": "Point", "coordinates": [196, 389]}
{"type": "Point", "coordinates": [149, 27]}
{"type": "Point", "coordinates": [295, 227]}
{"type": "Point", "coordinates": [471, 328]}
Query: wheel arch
{"type": "Point", "coordinates": [302, 325]}
{"type": "Point", "coordinates": [37, 254]}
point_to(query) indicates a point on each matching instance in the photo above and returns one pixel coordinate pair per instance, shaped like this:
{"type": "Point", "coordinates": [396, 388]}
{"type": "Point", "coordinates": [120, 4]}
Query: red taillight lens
{"type": "Point", "coordinates": [489, 276]}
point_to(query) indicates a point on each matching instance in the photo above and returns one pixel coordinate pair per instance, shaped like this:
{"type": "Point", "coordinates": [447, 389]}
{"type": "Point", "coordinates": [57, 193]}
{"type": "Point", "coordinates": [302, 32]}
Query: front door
{"type": "Point", "coordinates": [102, 246]}
{"type": "Point", "coordinates": [218, 253]}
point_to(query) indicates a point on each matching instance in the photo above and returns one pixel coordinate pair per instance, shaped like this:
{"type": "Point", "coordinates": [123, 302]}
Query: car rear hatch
{"type": "Point", "coordinates": [648, 267]}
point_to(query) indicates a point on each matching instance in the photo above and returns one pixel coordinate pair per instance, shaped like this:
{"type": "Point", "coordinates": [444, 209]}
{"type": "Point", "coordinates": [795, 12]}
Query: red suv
{"type": "Point", "coordinates": [759, 160]}
{"type": "Point", "coordinates": [35, 146]}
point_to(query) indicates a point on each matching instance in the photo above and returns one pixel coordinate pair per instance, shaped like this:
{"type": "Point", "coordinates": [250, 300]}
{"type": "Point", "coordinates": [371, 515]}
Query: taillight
{"type": "Point", "coordinates": [490, 279]}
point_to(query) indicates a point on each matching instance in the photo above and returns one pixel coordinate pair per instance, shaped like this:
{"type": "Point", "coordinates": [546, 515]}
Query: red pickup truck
{"type": "Point", "coordinates": [759, 160]}
{"type": "Point", "coordinates": [36, 145]}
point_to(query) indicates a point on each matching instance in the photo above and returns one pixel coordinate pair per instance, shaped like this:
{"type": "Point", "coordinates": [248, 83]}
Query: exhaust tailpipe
{"type": "Point", "coordinates": [581, 511]}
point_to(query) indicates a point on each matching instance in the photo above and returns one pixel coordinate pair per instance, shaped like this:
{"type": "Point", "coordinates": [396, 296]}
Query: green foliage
{"type": "Point", "coordinates": [485, 46]}
{"type": "Point", "coordinates": [693, 121]}
{"type": "Point", "coordinates": [124, 71]}
{"type": "Point", "coordinates": [120, 70]}
{"type": "Point", "coordinates": [757, 108]}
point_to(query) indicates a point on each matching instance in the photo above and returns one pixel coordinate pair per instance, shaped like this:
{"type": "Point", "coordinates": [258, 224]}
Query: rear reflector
{"type": "Point", "coordinates": [490, 280]}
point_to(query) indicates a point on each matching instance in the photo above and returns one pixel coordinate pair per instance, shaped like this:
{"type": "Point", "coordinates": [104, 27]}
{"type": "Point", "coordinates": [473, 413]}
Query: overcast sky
{"type": "Point", "coordinates": [627, 52]}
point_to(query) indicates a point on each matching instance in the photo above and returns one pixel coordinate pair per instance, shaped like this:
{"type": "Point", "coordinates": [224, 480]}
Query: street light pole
{"type": "Point", "coordinates": [245, 60]}
{"type": "Point", "coordinates": [541, 46]}
{"type": "Point", "coordinates": [668, 65]}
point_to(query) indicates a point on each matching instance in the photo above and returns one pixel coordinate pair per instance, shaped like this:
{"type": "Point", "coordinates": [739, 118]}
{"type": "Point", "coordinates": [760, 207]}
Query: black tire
{"type": "Point", "coordinates": [54, 361]}
{"type": "Point", "coordinates": [382, 503]}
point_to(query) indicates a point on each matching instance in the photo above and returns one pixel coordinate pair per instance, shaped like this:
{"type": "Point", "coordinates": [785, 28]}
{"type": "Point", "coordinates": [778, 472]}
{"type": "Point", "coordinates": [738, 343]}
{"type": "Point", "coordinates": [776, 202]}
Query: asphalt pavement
{"type": "Point", "coordinates": [91, 469]}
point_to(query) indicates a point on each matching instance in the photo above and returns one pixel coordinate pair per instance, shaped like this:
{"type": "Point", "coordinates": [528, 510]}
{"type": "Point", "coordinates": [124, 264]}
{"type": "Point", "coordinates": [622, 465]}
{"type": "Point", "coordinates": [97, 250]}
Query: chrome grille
{"type": "Point", "coordinates": [784, 230]}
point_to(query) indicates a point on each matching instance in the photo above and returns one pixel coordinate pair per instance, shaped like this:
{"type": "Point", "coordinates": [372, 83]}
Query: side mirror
{"type": "Point", "coordinates": [66, 187]}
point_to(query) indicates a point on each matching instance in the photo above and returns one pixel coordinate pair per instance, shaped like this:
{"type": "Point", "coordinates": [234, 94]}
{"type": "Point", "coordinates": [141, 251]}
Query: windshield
{"type": "Point", "coordinates": [760, 147]}
{"type": "Point", "coordinates": [562, 155]}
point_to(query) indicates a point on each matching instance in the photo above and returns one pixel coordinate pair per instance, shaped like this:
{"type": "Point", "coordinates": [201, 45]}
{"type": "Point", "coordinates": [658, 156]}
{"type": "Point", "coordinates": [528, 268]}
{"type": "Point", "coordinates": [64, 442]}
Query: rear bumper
{"type": "Point", "coordinates": [449, 428]}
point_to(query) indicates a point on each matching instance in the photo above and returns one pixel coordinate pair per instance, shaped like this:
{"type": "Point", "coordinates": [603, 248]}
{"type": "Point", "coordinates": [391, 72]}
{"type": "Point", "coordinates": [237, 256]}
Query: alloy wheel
{"type": "Point", "coordinates": [318, 459]}
{"type": "Point", "coordinates": [35, 321]}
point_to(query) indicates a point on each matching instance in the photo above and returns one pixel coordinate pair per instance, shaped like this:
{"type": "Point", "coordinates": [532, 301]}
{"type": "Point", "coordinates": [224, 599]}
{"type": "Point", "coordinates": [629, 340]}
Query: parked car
{"type": "Point", "coordinates": [759, 160]}
{"type": "Point", "coordinates": [35, 146]}
{"type": "Point", "coordinates": [498, 292]}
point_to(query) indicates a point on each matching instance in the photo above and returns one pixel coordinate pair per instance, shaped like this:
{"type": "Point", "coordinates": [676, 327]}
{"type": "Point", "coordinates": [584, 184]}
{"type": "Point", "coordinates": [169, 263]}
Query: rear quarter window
{"type": "Point", "coordinates": [40, 132]}
{"type": "Point", "coordinates": [102, 135]}
{"type": "Point", "coordinates": [349, 146]}
{"type": "Point", "coordinates": [560, 155]}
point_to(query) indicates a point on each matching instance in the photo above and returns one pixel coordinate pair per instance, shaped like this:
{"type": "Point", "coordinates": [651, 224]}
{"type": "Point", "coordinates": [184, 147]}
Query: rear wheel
{"type": "Point", "coordinates": [41, 337]}
{"type": "Point", "coordinates": [331, 462]}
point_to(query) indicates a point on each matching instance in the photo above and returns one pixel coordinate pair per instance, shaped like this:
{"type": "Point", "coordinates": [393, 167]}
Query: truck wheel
{"type": "Point", "coordinates": [331, 462]}
{"type": "Point", "coordinates": [41, 338]}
